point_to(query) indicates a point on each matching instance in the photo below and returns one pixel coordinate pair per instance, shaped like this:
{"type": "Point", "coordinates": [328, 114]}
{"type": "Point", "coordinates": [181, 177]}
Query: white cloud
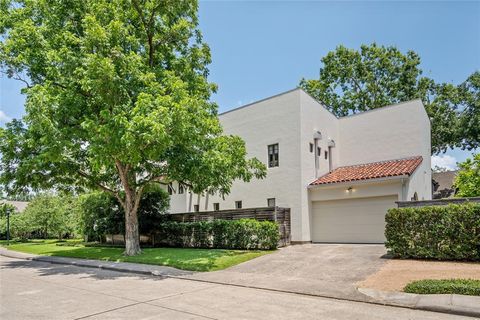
{"type": "Point", "coordinates": [444, 161]}
{"type": "Point", "coordinates": [4, 117]}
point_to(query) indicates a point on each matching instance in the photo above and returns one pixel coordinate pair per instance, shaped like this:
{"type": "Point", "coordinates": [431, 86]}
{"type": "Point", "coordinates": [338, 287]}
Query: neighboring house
{"type": "Point", "coordinates": [19, 205]}
{"type": "Point", "coordinates": [338, 175]}
{"type": "Point", "coordinates": [442, 184]}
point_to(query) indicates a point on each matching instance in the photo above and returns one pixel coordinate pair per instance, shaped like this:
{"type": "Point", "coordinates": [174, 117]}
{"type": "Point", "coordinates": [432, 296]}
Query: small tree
{"type": "Point", "coordinates": [46, 216]}
{"type": "Point", "coordinates": [467, 181]}
{"type": "Point", "coordinates": [117, 98]}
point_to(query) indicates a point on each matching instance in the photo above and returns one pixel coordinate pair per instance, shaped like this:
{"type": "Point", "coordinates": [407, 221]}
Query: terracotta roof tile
{"type": "Point", "coordinates": [390, 168]}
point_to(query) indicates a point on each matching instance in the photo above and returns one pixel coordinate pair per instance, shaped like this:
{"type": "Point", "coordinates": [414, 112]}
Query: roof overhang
{"type": "Point", "coordinates": [357, 182]}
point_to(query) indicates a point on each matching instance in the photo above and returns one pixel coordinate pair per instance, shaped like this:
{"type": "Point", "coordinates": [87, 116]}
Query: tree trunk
{"type": "Point", "coordinates": [132, 237]}
{"type": "Point", "coordinates": [130, 206]}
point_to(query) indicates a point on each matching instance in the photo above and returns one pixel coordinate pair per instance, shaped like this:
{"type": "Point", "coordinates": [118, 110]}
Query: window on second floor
{"type": "Point", "coordinates": [271, 202]}
{"type": "Point", "coordinates": [273, 155]}
{"type": "Point", "coordinates": [216, 206]}
{"type": "Point", "coordinates": [319, 151]}
{"type": "Point", "coordinates": [181, 188]}
{"type": "Point", "coordinates": [311, 147]}
{"type": "Point", "coordinates": [326, 154]}
{"type": "Point", "coordinates": [238, 204]}
{"type": "Point", "coordinates": [170, 189]}
{"type": "Point", "coordinates": [196, 208]}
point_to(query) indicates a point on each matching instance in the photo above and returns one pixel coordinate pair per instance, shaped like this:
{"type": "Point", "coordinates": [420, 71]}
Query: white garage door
{"type": "Point", "coordinates": [352, 220]}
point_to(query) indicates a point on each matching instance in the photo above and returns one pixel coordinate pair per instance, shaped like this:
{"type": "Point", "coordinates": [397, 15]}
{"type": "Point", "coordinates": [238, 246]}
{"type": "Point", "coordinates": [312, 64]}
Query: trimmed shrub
{"type": "Point", "coordinates": [453, 286]}
{"type": "Point", "coordinates": [226, 234]}
{"type": "Point", "coordinates": [449, 232]}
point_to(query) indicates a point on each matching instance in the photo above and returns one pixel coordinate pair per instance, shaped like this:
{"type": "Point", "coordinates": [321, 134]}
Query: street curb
{"type": "Point", "coordinates": [450, 303]}
{"type": "Point", "coordinates": [375, 297]}
{"type": "Point", "coordinates": [141, 269]}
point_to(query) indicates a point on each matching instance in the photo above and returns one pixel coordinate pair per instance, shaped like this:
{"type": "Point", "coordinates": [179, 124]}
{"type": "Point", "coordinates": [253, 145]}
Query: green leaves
{"type": "Point", "coordinates": [120, 81]}
{"type": "Point", "coordinates": [444, 286]}
{"type": "Point", "coordinates": [449, 232]}
{"type": "Point", "coordinates": [467, 180]}
{"type": "Point", "coordinates": [227, 234]}
{"type": "Point", "coordinates": [353, 81]}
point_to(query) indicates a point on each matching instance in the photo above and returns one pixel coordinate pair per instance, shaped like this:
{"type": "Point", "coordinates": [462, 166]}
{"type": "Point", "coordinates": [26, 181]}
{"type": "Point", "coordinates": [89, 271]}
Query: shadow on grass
{"type": "Point", "coordinates": [190, 259]}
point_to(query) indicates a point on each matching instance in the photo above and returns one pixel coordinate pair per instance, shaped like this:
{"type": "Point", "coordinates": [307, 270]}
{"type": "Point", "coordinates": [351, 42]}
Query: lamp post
{"type": "Point", "coordinates": [8, 225]}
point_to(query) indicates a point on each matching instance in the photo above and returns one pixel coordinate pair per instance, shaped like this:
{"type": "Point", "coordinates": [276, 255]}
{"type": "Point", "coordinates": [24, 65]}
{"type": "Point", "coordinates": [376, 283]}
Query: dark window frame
{"type": "Point", "coordinates": [274, 202]}
{"type": "Point", "coordinates": [319, 151]}
{"type": "Point", "coordinates": [196, 208]}
{"type": "Point", "coordinates": [311, 147]}
{"type": "Point", "coordinates": [170, 189]}
{"type": "Point", "coordinates": [326, 154]}
{"type": "Point", "coordinates": [273, 155]}
{"type": "Point", "coordinates": [216, 206]}
{"type": "Point", "coordinates": [181, 188]}
{"type": "Point", "coordinates": [238, 204]}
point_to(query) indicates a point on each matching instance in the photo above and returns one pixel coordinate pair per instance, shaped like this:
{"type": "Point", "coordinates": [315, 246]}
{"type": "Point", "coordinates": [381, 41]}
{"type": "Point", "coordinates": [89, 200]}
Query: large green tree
{"type": "Point", "coordinates": [353, 81]}
{"type": "Point", "coordinates": [117, 98]}
{"type": "Point", "coordinates": [469, 128]}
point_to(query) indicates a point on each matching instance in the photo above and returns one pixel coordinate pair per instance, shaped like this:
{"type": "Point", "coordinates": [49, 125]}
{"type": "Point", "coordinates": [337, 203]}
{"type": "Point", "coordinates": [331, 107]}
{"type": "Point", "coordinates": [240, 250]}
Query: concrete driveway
{"type": "Point", "coordinates": [330, 270]}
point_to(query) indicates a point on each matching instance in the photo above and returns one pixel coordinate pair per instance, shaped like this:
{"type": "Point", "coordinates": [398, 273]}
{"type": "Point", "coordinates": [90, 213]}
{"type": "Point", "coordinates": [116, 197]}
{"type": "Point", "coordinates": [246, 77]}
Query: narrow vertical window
{"type": "Point", "coordinates": [326, 155]}
{"type": "Point", "coordinates": [170, 189]}
{"type": "Point", "coordinates": [311, 147]}
{"type": "Point", "coordinates": [319, 151]}
{"type": "Point", "coordinates": [216, 206]}
{"type": "Point", "coordinates": [271, 202]}
{"type": "Point", "coordinates": [196, 208]}
{"type": "Point", "coordinates": [238, 204]}
{"type": "Point", "coordinates": [181, 189]}
{"type": "Point", "coordinates": [273, 155]}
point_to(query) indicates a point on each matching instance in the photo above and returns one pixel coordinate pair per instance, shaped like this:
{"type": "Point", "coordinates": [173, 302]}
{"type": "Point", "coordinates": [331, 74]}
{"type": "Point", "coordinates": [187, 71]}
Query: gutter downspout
{"type": "Point", "coordinates": [404, 189]}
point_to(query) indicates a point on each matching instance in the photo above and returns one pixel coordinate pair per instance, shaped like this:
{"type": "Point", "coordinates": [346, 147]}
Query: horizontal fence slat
{"type": "Point", "coordinates": [436, 202]}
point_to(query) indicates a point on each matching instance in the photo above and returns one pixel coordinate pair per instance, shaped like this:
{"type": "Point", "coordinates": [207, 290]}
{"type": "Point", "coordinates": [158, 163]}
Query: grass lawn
{"type": "Point", "coordinates": [453, 286]}
{"type": "Point", "coordinates": [181, 258]}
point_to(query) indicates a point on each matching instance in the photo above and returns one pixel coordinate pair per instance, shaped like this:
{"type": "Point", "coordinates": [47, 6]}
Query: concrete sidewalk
{"type": "Point", "coordinates": [452, 304]}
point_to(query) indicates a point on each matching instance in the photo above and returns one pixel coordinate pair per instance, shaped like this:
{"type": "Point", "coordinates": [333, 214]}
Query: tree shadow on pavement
{"type": "Point", "coordinates": [47, 269]}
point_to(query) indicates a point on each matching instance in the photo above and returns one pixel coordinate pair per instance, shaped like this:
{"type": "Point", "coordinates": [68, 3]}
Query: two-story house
{"type": "Point", "coordinates": [337, 175]}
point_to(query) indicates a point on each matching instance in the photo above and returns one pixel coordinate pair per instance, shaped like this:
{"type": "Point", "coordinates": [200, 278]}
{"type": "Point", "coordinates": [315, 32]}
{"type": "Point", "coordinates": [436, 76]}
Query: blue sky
{"type": "Point", "coordinates": [263, 48]}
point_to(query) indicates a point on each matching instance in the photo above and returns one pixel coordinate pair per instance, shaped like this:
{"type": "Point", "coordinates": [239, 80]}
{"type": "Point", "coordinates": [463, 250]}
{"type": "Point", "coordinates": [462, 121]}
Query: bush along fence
{"type": "Point", "coordinates": [449, 232]}
{"type": "Point", "coordinates": [252, 228]}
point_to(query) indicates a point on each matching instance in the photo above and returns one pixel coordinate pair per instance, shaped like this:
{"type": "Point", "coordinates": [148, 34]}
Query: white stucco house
{"type": "Point", "coordinates": [337, 175]}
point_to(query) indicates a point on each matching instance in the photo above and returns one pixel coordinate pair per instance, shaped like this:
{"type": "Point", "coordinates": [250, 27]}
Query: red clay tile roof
{"type": "Point", "coordinates": [373, 170]}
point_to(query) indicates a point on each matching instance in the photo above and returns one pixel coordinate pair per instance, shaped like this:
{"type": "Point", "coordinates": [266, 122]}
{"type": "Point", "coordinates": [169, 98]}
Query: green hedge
{"type": "Point", "coordinates": [453, 286]}
{"type": "Point", "coordinates": [449, 232]}
{"type": "Point", "coordinates": [227, 234]}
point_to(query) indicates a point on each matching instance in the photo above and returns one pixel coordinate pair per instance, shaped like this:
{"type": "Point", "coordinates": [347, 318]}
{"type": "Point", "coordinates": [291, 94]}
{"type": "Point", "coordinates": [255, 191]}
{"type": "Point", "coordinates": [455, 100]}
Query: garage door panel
{"type": "Point", "coordinates": [351, 220]}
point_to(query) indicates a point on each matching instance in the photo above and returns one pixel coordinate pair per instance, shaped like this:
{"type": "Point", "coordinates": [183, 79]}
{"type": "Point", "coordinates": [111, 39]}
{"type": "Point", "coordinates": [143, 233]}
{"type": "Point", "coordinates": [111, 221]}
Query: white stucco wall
{"type": "Point", "coordinates": [392, 132]}
{"type": "Point", "coordinates": [290, 119]}
{"type": "Point", "coordinates": [314, 117]}
{"type": "Point", "coordinates": [274, 120]}
{"type": "Point", "coordinates": [360, 189]}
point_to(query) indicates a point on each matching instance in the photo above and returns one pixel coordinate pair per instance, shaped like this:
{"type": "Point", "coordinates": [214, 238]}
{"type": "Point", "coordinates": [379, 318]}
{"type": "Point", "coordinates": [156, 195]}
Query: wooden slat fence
{"type": "Point", "coordinates": [279, 215]}
{"type": "Point", "coordinates": [436, 202]}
